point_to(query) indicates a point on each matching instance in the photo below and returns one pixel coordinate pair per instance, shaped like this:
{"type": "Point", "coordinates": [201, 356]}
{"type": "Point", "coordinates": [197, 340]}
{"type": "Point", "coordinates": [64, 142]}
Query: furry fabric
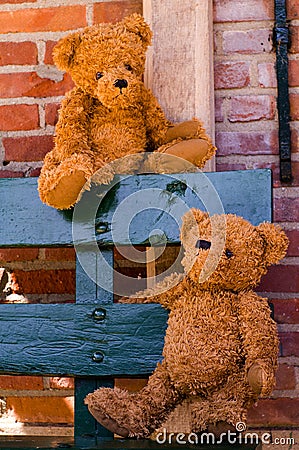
{"type": "Point", "coordinates": [110, 114]}
{"type": "Point", "coordinates": [221, 344]}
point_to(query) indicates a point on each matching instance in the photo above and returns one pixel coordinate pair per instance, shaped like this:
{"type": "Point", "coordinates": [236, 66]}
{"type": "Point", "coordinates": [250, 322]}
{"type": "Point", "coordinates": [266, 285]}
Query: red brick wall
{"type": "Point", "coordinates": [247, 138]}
{"type": "Point", "coordinates": [246, 135]}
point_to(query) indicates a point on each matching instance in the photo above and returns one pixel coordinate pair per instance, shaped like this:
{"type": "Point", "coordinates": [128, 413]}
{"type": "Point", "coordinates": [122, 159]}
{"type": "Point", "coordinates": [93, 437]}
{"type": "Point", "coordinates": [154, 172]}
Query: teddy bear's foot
{"type": "Point", "coordinates": [67, 191]}
{"type": "Point", "coordinates": [118, 411]}
{"type": "Point", "coordinates": [107, 422]}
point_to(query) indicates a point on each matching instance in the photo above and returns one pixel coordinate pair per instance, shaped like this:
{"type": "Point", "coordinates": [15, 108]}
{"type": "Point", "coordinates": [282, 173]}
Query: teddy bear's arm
{"type": "Point", "coordinates": [72, 129]}
{"type": "Point", "coordinates": [166, 292]}
{"type": "Point", "coordinates": [260, 341]}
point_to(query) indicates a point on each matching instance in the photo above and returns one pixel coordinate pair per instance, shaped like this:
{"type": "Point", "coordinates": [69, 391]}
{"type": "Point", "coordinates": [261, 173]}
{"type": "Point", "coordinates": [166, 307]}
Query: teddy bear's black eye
{"type": "Point", "coordinates": [99, 75]}
{"type": "Point", "coordinates": [128, 67]}
{"type": "Point", "coordinates": [229, 253]}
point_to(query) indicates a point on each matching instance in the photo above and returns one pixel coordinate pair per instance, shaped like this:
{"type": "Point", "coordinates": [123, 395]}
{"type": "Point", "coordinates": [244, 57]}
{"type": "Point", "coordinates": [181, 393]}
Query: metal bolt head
{"type": "Point", "coordinates": [99, 314]}
{"type": "Point", "coordinates": [98, 356]}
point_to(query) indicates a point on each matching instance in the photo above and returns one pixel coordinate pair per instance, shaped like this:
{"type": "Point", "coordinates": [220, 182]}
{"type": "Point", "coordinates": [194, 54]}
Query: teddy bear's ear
{"type": "Point", "coordinates": [190, 220]}
{"type": "Point", "coordinates": [135, 23]}
{"type": "Point", "coordinates": [276, 242]}
{"type": "Point", "coordinates": [64, 51]}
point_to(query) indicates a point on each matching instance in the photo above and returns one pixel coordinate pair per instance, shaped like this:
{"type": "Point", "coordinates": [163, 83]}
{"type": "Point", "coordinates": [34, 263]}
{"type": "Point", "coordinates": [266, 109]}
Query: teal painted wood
{"type": "Point", "coordinates": [62, 339]}
{"type": "Point", "coordinates": [26, 221]}
{"type": "Point", "coordinates": [86, 429]}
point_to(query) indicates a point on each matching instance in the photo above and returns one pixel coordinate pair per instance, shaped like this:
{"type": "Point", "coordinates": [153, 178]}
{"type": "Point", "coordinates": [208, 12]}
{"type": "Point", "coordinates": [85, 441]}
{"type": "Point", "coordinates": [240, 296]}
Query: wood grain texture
{"type": "Point", "coordinates": [61, 339]}
{"type": "Point", "coordinates": [26, 221]}
{"type": "Point", "coordinates": [179, 67]}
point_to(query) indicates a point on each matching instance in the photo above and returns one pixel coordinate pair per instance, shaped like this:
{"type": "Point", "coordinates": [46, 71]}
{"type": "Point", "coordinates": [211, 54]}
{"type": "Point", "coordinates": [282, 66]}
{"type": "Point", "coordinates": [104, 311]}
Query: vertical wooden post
{"type": "Point", "coordinates": [179, 67]}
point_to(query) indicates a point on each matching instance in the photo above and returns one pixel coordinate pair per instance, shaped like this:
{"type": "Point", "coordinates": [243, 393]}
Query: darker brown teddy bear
{"type": "Point", "coordinates": [221, 344]}
{"type": "Point", "coordinates": [110, 114]}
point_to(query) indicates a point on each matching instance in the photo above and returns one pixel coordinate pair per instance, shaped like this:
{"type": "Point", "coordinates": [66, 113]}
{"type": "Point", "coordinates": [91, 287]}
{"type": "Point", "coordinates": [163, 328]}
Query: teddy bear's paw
{"type": "Point", "coordinates": [260, 380]}
{"type": "Point", "coordinates": [67, 190]}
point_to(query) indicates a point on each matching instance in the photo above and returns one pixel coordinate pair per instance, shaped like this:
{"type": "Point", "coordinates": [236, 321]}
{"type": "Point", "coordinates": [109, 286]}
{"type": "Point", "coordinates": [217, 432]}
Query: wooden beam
{"type": "Point", "coordinates": [179, 67]}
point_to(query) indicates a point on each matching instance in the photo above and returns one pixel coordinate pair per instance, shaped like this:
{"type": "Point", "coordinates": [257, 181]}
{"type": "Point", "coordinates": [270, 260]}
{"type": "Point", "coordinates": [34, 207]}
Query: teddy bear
{"type": "Point", "coordinates": [221, 344]}
{"type": "Point", "coordinates": [110, 114]}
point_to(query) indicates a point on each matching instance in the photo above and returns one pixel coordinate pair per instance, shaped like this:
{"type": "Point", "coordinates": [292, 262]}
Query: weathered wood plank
{"type": "Point", "coordinates": [24, 220]}
{"type": "Point", "coordinates": [179, 67]}
{"type": "Point", "coordinates": [62, 339]}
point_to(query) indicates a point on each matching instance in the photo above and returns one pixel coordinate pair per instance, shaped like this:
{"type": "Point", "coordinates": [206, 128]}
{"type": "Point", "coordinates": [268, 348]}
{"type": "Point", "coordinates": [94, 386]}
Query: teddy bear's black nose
{"type": "Point", "coordinates": [121, 84]}
{"type": "Point", "coordinates": [201, 243]}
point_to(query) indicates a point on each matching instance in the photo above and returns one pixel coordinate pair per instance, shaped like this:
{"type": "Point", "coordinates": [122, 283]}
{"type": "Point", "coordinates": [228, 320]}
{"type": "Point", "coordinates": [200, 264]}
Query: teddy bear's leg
{"type": "Point", "coordinates": [225, 408]}
{"type": "Point", "coordinates": [135, 415]}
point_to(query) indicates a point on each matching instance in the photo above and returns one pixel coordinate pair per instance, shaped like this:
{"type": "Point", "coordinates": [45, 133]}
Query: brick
{"type": "Point", "coordinates": [230, 75]}
{"type": "Point", "coordinates": [289, 344]}
{"type": "Point", "coordinates": [267, 75]}
{"type": "Point", "coordinates": [43, 19]}
{"type": "Point", "coordinates": [223, 166]}
{"type": "Point", "coordinates": [249, 42]}
{"type": "Point", "coordinates": [130, 384]}
{"type": "Point", "coordinates": [60, 254]}
{"type": "Point", "coordinates": [286, 209]}
{"type": "Point", "coordinates": [285, 377]}
{"type": "Point", "coordinates": [51, 112]}
{"type": "Point", "coordinates": [57, 281]}
{"type": "Point", "coordinates": [219, 117]}
{"type": "Point", "coordinates": [293, 72]}
{"type": "Point", "coordinates": [286, 310]}
{"type": "Point", "coordinates": [247, 108]}
{"type": "Point", "coordinates": [21, 382]}
{"type": "Point", "coordinates": [294, 106]}
{"type": "Point", "coordinates": [19, 117]}
{"type": "Point", "coordinates": [11, 174]}
{"type": "Point", "coordinates": [29, 84]}
{"type": "Point", "coordinates": [280, 278]}
{"type": "Point", "coordinates": [115, 11]}
{"type": "Point", "coordinates": [62, 383]}
{"type": "Point", "coordinates": [292, 9]}
{"type": "Point", "coordinates": [246, 143]}
{"type": "Point", "coordinates": [295, 140]}
{"type": "Point", "coordinates": [242, 10]}
{"type": "Point", "coordinates": [32, 148]}
{"type": "Point", "coordinates": [293, 236]}
{"type": "Point", "coordinates": [283, 412]}
{"type": "Point", "coordinates": [35, 172]}
{"type": "Point", "coordinates": [18, 254]}
{"type": "Point", "coordinates": [294, 37]}
{"type": "Point", "coordinates": [49, 52]}
{"type": "Point", "coordinates": [42, 409]}
{"type": "Point", "coordinates": [18, 53]}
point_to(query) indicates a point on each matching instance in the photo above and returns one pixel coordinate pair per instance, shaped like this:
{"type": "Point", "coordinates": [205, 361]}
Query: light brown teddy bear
{"type": "Point", "coordinates": [110, 113]}
{"type": "Point", "coordinates": [221, 344]}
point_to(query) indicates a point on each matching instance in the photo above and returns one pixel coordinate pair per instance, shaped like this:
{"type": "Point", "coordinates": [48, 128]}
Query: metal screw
{"type": "Point", "coordinates": [102, 227]}
{"type": "Point", "coordinates": [98, 356]}
{"type": "Point", "coordinates": [99, 314]}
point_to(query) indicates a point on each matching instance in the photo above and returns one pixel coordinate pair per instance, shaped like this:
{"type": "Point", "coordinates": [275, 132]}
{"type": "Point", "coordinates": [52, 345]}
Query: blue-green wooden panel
{"type": "Point", "coordinates": [62, 339]}
{"type": "Point", "coordinates": [148, 201]}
